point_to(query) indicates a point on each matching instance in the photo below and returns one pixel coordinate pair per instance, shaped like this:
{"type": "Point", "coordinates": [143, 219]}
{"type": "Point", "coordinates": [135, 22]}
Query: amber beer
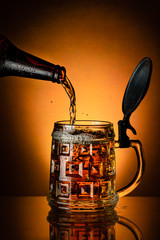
{"type": "Point", "coordinates": [83, 166]}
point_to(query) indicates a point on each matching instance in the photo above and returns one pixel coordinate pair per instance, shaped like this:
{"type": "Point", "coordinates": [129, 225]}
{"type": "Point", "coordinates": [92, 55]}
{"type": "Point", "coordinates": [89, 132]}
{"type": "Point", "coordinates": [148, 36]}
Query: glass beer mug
{"type": "Point", "coordinates": [83, 167]}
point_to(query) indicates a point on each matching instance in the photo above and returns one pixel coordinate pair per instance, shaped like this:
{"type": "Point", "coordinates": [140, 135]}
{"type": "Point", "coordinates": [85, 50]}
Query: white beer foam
{"type": "Point", "coordinates": [80, 138]}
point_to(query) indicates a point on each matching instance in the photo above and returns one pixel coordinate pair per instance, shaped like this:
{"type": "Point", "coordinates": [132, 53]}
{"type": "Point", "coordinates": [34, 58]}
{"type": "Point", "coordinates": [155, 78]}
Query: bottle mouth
{"type": "Point", "coordinates": [62, 74]}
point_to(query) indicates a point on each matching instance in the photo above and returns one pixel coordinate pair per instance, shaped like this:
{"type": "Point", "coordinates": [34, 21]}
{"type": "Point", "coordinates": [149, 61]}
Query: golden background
{"type": "Point", "coordinates": [99, 43]}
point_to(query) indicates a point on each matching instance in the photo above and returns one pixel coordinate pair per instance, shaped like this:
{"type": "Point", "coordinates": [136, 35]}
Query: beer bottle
{"type": "Point", "coordinates": [15, 62]}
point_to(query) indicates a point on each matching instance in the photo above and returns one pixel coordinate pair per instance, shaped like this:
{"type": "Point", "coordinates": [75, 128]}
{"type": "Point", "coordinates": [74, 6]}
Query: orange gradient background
{"type": "Point", "coordinates": [99, 44]}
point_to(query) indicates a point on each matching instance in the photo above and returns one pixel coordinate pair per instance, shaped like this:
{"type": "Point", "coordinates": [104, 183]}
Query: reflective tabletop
{"type": "Point", "coordinates": [31, 218]}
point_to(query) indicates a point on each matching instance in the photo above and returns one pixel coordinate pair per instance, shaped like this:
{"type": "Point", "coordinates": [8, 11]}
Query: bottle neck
{"type": "Point", "coordinates": [15, 62]}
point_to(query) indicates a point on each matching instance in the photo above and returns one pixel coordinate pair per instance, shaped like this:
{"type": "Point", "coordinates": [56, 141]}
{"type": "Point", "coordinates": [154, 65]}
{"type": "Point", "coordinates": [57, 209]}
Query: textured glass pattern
{"type": "Point", "coordinates": [83, 172]}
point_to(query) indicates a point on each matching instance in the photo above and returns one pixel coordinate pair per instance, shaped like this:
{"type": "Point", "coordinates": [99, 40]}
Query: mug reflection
{"type": "Point", "coordinates": [89, 226]}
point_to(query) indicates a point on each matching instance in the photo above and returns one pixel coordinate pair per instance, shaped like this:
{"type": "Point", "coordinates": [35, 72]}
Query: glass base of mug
{"type": "Point", "coordinates": [107, 204]}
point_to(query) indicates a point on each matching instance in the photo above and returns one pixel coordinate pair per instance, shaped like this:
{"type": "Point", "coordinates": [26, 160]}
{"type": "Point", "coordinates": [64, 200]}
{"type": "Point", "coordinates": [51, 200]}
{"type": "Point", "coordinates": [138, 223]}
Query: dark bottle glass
{"type": "Point", "coordinates": [15, 62]}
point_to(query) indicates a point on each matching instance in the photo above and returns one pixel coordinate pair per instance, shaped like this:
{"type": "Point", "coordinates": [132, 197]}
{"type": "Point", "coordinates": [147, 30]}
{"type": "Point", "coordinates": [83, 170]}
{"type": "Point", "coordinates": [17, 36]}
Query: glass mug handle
{"type": "Point", "coordinates": [136, 144]}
